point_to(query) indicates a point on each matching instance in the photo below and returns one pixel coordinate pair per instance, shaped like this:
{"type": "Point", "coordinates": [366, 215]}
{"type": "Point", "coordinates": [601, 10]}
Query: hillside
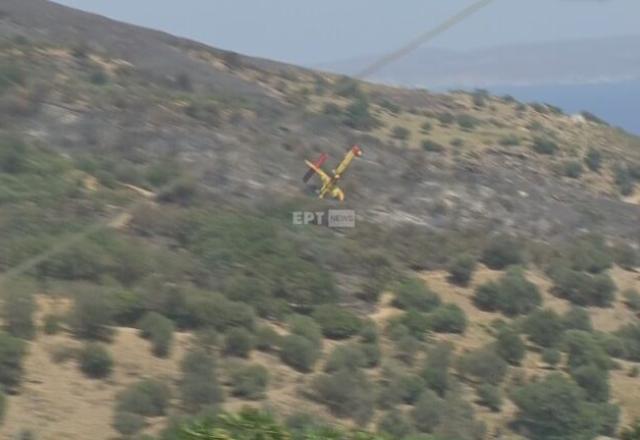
{"type": "Point", "coordinates": [496, 247]}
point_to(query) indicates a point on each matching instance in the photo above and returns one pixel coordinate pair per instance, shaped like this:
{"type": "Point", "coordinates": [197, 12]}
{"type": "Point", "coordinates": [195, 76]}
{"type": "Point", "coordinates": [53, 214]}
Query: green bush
{"type": "Point", "coordinates": [593, 159]}
{"type": "Point", "coordinates": [18, 310]}
{"type": "Point", "coordinates": [490, 396]}
{"type": "Point", "coordinates": [395, 425]}
{"type": "Point", "coordinates": [544, 146]}
{"type": "Point", "coordinates": [626, 256]}
{"type": "Point", "coordinates": [509, 140]}
{"type": "Point", "coordinates": [577, 318]}
{"type": "Point", "coordinates": [159, 330]}
{"type": "Point", "coordinates": [406, 348]}
{"type": "Point", "coordinates": [623, 179]}
{"type": "Point", "coordinates": [551, 356]}
{"type": "Point", "coordinates": [428, 411]}
{"type": "Point", "coordinates": [400, 133]}
{"type": "Point", "coordinates": [461, 269]}
{"type": "Point", "coordinates": [128, 424]}
{"type": "Point", "coordinates": [306, 327]}
{"type": "Point", "coordinates": [426, 127]}
{"type": "Point", "coordinates": [267, 339]}
{"type": "Point", "coordinates": [502, 251]}
{"type": "Point", "coordinates": [408, 387]}
{"type": "Point", "coordinates": [483, 365]}
{"type": "Point", "coordinates": [445, 118]}
{"type": "Point", "coordinates": [95, 361]}
{"type": "Point", "coordinates": [509, 346]}
{"type": "Point", "coordinates": [250, 381]}
{"type": "Point", "coordinates": [358, 115]}
{"type": "Point", "coordinates": [512, 295]}
{"type": "Point", "coordinates": [467, 122]}
{"type": "Point", "coordinates": [91, 316]}
{"type": "Point", "coordinates": [544, 327]}
{"type": "Point", "coordinates": [238, 342]}
{"type": "Point", "coordinates": [337, 322]}
{"type": "Point", "coordinates": [583, 349]}
{"type": "Point", "coordinates": [345, 357]}
{"type": "Point", "coordinates": [448, 318]}
{"type": "Point", "coordinates": [413, 293]}
{"type": "Point", "coordinates": [594, 381]}
{"type": "Point", "coordinates": [299, 352]}
{"type": "Point", "coordinates": [555, 407]}
{"type": "Point", "coordinates": [52, 324]}
{"type": "Point", "coordinates": [630, 336]}
{"type": "Point", "coordinates": [435, 371]}
{"type": "Point", "coordinates": [572, 169]}
{"type": "Point", "coordinates": [589, 254]}
{"type": "Point", "coordinates": [432, 146]}
{"type": "Point", "coordinates": [199, 387]}
{"type": "Point", "coordinates": [416, 323]}
{"type": "Point", "coordinates": [148, 397]}
{"type": "Point", "coordinates": [13, 154]}
{"type": "Point", "coordinates": [583, 289]}
{"type": "Point", "coordinates": [632, 299]}
{"type": "Point", "coordinates": [346, 394]}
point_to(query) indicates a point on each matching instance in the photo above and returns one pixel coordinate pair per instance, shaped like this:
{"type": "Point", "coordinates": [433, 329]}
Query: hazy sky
{"type": "Point", "coordinates": [313, 32]}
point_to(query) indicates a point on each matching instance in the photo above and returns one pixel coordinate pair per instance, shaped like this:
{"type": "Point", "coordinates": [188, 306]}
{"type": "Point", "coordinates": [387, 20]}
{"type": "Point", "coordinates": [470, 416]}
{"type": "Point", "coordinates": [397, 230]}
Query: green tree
{"type": "Point", "coordinates": [490, 396]}
{"type": "Point", "coordinates": [148, 398]}
{"type": "Point", "coordinates": [128, 424]}
{"type": "Point", "coordinates": [250, 381]}
{"type": "Point", "coordinates": [544, 327]}
{"type": "Point", "coordinates": [12, 352]}
{"type": "Point", "coordinates": [346, 393]}
{"type": "Point", "coordinates": [502, 251]}
{"type": "Point", "coordinates": [555, 407]}
{"type": "Point", "coordinates": [395, 425]}
{"type": "Point", "coordinates": [594, 381]}
{"type": "Point", "coordinates": [428, 411]}
{"type": "Point", "coordinates": [159, 330]}
{"type": "Point", "coordinates": [413, 293]}
{"type": "Point", "coordinates": [461, 269]}
{"type": "Point", "coordinates": [95, 361]}
{"type": "Point", "coordinates": [435, 371]}
{"type": "Point", "coordinates": [448, 318]}
{"type": "Point", "coordinates": [18, 310]}
{"type": "Point", "coordinates": [544, 146]}
{"type": "Point", "coordinates": [299, 352]}
{"type": "Point", "coordinates": [91, 316]}
{"type": "Point", "coordinates": [238, 342]}
{"type": "Point", "coordinates": [337, 322]}
{"type": "Point", "coordinates": [509, 346]}
{"type": "Point", "coordinates": [593, 159]}
{"type": "Point", "coordinates": [199, 387]}
{"type": "Point", "coordinates": [483, 365]}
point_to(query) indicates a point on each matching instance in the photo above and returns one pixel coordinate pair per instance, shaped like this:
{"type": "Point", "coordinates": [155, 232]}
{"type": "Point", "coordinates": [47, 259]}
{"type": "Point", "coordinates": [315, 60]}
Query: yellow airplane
{"type": "Point", "coordinates": [330, 183]}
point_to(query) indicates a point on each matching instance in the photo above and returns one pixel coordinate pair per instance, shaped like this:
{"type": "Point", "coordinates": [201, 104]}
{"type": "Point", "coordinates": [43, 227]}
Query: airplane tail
{"type": "Point", "coordinates": [318, 163]}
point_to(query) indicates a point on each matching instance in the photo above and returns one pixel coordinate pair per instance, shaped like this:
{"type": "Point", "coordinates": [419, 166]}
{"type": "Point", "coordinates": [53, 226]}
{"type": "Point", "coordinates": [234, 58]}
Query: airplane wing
{"type": "Point", "coordinates": [323, 176]}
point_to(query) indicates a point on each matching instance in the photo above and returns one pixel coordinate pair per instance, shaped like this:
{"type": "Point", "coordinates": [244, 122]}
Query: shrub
{"type": "Point", "coordinates": [544, 327]}
{"type": "Point", "coordinates": [199, 386]}
{"type": "Point", "coordinates": [623, 179]}
{"type": "Point", "coordinates": [632, 299]}
{"type": "Point", "coordinates": [406, 348]}
{"type": "Point", "coordinates": [250, 381]}
{"type": "Point", "coordinates": [345, 357]}
{"type": "Point", "coordinates": [461, 269]}
{"type": "Point", "coordinates": [337, 322]}
{"type": "Point", "coordinates": [634, 371]}
{"type": "Point", "coordinates": [18, 310]}
{"type": "Point", "coordinates": [346, 394]}
{"type": "Point", "coordinates": [358, 115]}
{"type": "Point", "coordinates": [149, 398]}
{"type": "Point", "coordinates": [593, 160]}
{"type": "Point", "coordinates": [551, 356]}
{"type": "Point", "coordinates": [267, 339]}
{"type": "Point", "coordinates": [594, 381]}
{"type": "Point", "coordinates": [418, 324]}
{"type": "Point", "coordinates": [555, 407]}
{"type": "Point", "coordinates": [589, 254]}
{"type": "Point", "coordinates": [583, 289]}
{"type": "Point", "coordinates": [52, 324]}
{"type": "Point", "coordinates": [414, 294]}
{"type": "Point", "coordinates": [299, 352]}
{"type": "Point", "coordinates": [432, 146]}
{"type": "Point", "coordinates": [467, 122]}
{"type": "Point", "coordinates": [91, 316]}
{"type": "Point", "coordinates": [509, 346]}
{"type": "Point", "coordinates": [490, 396]}
{"type": "Point", "coordinates": [572, 169]}
{"type": "Point", "coordinates": [583, 349]}
{"type": "Point", "coordinates": [630, 336]}
{"type": "Point", "coordinates": [577, 318]}
{"type": "Point", "coordinates": [509, 140]}
{"type": "Point", "coordinates": [436, 368]}
{"type": "Point", "coordinates": [448, 318]}
{"type": "Point", "coordinates": [395, 425]}
{"type": "Point", "coordinates": [128, 424]}
{"type": "Point", "coordinates": [483, 365]}
{"type": "Point", "coordinates": [400, 133]}
{"type": "Point", "coordinates": [626, 256]}
{"type": "Point", "coordinates": [238, 342]}
{"type": "Point", "coordinates": [445, 118]}
{"type": "Point", "coordinates": [408, 387]}
{"type": "Point", "coordinates": [95, 361]}
{"type": "Point", "coordinates": [428, 411]}
{"type": "Point", "coordinates": [544, 146]}
{"type": "Point", "coordinates": [502, 251]}
{"type": "Point", "coordinates": [426, 127]}
{"type": "Point", "coordinates": [159, 330]}
{"type": "Point", "coordinates": [513, 294]}
{"type": "Point", "coordinates": [306, 327]}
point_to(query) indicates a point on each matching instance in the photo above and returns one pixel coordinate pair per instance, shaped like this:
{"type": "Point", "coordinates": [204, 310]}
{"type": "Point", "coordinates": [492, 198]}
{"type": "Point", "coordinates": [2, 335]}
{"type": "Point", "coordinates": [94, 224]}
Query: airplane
{"type": "Point", "coordinates": [330, 183]}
